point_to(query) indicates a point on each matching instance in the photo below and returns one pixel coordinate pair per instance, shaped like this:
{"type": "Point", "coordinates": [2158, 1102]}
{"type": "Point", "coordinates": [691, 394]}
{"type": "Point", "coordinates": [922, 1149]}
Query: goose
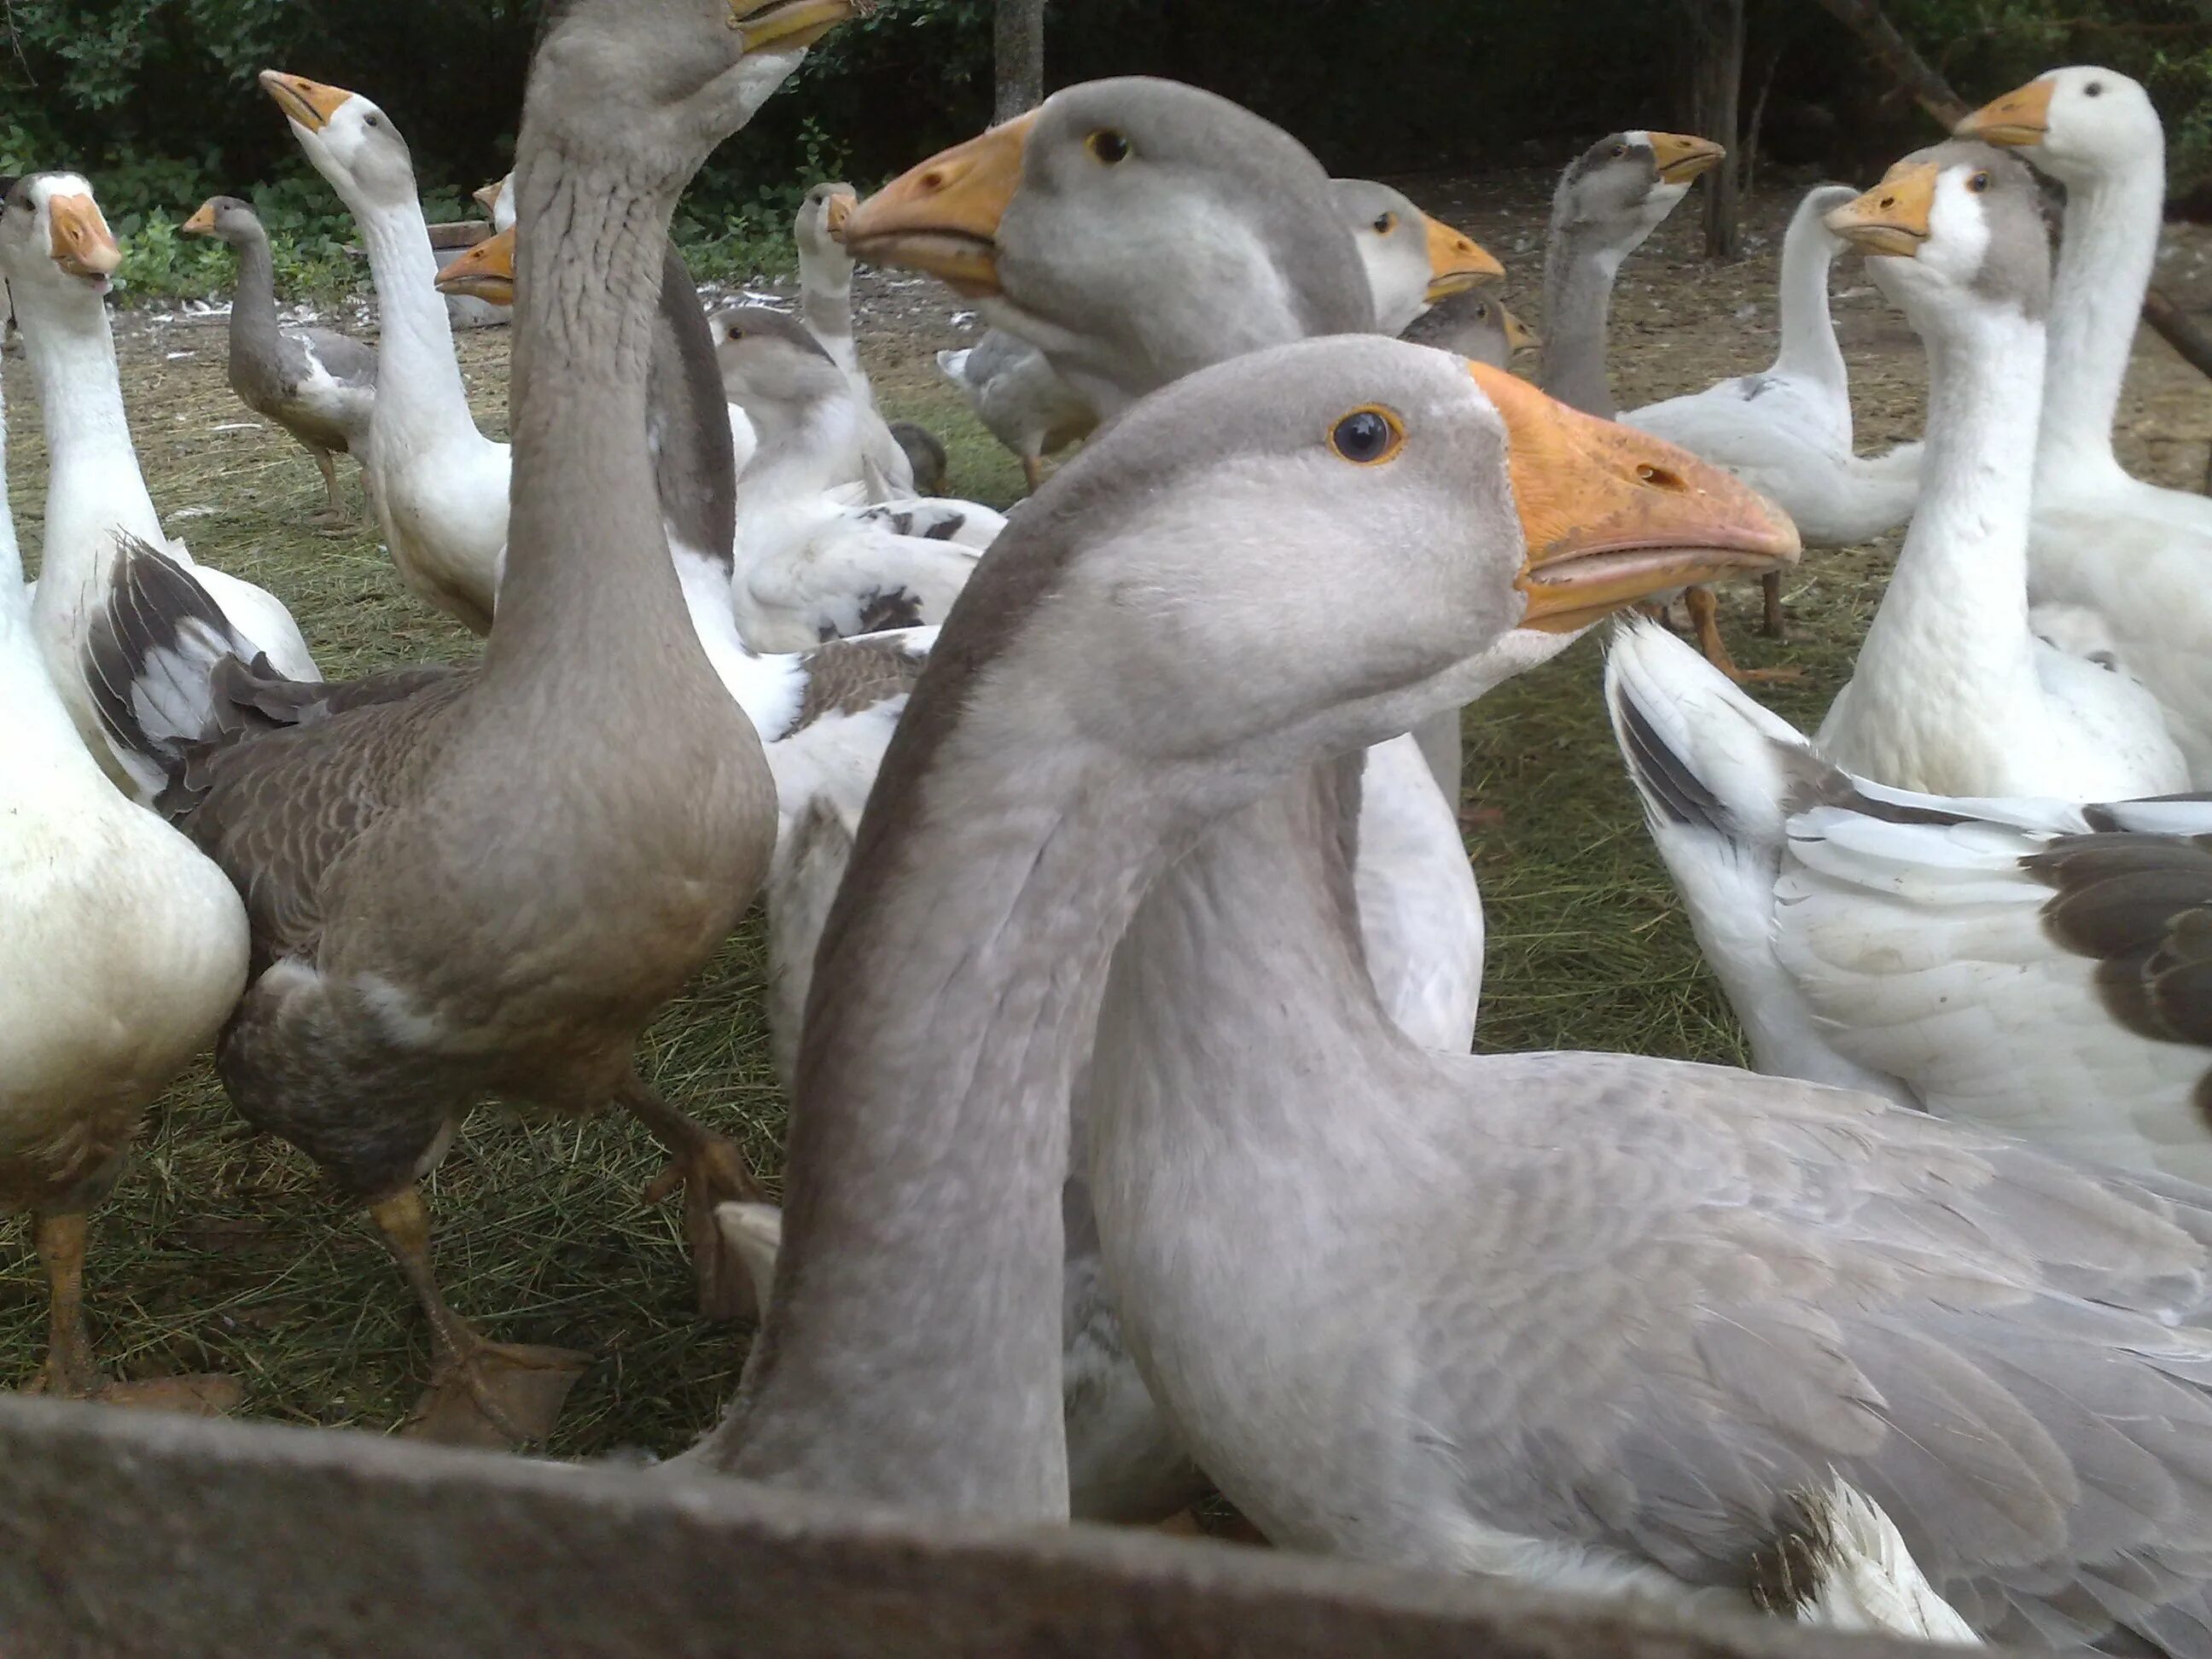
{"type": "Point", "coordinates": [316, 383]}
{"type": "Point", "coordinates": [1019, 398]}
{"type": "Point", "coordinates": [823, 717]}
{"type": "Point", "coordinates": [1787, 430]}
{"type": "Point", "coordinates": [439, 485]}
{"type": "Point", "coordinates": [1610, 200]}
{"type": "Point", "coordinates": [1842, 1565]}
{"type": "Point", "coordinates": [1475, 326]}
{"type": "Point", "coordinates": [489, 881]}
{"type": "Point", "coordinates": [1953, 693]}
{"type": "Point", "coordinates": [1413, 261]}
{"type": "Point", "coordinates": [1591, 1322]}
{"type": "Point", "coordinates": [140, 946]}
{"type": "Point", "coordinates": [2113, 562]}
{"type": "Point", "coordinates": [1063, 748]}
{"type": "Point", "coordinates": [2028, 964]}
{"type": "Point", "coordinates": [56, 254]}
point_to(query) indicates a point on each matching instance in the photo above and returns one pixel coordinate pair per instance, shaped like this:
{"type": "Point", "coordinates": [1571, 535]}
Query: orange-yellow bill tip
{"type": "Point", "coordinates": [1891, 218]}
{"type": "Point", "coordinates": [487, 196]}
{"type": "Point", "coordinates": [942, 217]}
{"type": "Point", "coordinates": [2021, 118]}
{"type": "Point", "coordinates": [310, 103]}
{"type": "Point", "coordinates": [202, 223]}
{"type": "Point", "coordinates": [837, 210]}
{"type": "Point", "coordinates": [1456, 261]}
{"type": "Point", "coordinates": [1519, 336]}
{"type": "Point", "coordinates": [485, 271]}
{"type": "Point", "coordinates": [789, 24]}
{"type": "Point", "coordinates": [1682, 156]}
{"type": "Point", "coordinates": [80, 241]}
{"type": "Point", "coordinates": [1612, 515]}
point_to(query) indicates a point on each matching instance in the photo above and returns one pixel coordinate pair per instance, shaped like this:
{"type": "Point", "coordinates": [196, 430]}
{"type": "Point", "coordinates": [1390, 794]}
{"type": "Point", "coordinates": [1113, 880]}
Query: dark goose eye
{"type": "Point", "coordinates": [1979, 183]}
{"type": "Point", "coordinates": [2095, 89]}
{"type": "Point", "coordinates": [1386, 224]}
{"type": "Point", "coordinates": [1368, 436]}
{"type": "Point", "coordinates": [1108, 146]}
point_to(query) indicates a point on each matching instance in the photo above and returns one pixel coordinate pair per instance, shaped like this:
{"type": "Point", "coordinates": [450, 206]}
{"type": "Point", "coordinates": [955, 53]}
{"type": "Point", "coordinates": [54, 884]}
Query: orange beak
{"type": "Point", "coordinates": [485, 272]}
{"type": "Point", "coordinates": [1682, 157]}
{"type": "Point", "coordinates": [790, 23]}
{"type": "Point", "coordinates": [487, 196]}
{"type": "Point", "coordinates": [81, 243]}
{"type": "Point", "coordinates": [837, 211]}
{"type": "Point", "coordinates": [2020, 118]}
{"type": "Point", "coordinates": [942, 217]}
{"type": "Point", "coordinates": [1612, 515]}
{"type": "Point", "coordinates": [1891, 218]}
{"type": "Point", "coordinates": [202, 223]}
{"type": "Point", "coordinates": [1456, 261]}
{"type": "Point", "coordinates": [310, 103]}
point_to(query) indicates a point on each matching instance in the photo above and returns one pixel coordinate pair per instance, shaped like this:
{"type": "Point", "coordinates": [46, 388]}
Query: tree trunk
{"type": "Point", "coordinates": [1018, 57]}
{"type": "Point", "coordinates": [1715, 93]}
{"type": "Point", "coordinates": [1934, 93]}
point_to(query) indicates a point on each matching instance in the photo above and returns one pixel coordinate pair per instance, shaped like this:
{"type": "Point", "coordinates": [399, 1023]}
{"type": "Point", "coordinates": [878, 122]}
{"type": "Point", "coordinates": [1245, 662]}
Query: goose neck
{"type": "Point", "coordinates": [253, 301]}
{"type": "Point", "coordinates": [2106, 252]}
{"type": "Point", "coordinates": [1578, 276]}
{"type": "Point", "coordinates": [911, 1351]}
{"type": "Point", "coordinates": [1809, 331]}
{"type": "Point", "coordinates": [93, 480]}
{"type": "Point", "coordinates": [420, 399]}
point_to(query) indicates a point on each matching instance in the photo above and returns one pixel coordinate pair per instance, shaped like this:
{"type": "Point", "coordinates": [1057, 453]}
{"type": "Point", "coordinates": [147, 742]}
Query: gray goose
{"type": "Point", "coordinates": [489, 883]}
{"type": "Point", "coordinates": [316, 383]}
{"type": "Point", "coordinates": [1063, 747]}
{"type": "Point", "coordinates": [1475, 326]}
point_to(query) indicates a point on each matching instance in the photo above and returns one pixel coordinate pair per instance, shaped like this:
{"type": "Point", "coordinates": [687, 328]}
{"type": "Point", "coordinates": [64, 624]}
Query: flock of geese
{"type": "Point", "coordinates": [1126, 955]}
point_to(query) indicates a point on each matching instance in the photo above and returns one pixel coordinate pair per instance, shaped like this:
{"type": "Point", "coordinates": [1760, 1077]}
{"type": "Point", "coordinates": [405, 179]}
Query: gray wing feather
{"type": "Point", "coordinates": [343, 357]}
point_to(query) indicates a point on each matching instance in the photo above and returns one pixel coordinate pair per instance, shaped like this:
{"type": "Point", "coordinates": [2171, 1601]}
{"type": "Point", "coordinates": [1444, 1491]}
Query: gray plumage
{"type": "Point", "coordinates": [1470, 324]}
{"type": "Point", "coordinates": [316, 383]}
{"type": "Point", "coordinates": [925, 453]}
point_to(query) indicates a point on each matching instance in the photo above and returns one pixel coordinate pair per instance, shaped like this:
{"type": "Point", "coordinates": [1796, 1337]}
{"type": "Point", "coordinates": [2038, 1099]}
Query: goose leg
{"type": "Point", "coordinates": [1033, 471]}
{"type": "Point", "coordinates": [1770, 594]}
{"type": "Point", "coordinates": [333, 511]}
{"type": "Point", "coordinates": [71, 1372]}
{"type": "Point", "coordinates": [481, 1393]}
{"type": "Point", "coordinates": [711, 1172]}
{"type": "Point", "coordinates": [1704, 617]}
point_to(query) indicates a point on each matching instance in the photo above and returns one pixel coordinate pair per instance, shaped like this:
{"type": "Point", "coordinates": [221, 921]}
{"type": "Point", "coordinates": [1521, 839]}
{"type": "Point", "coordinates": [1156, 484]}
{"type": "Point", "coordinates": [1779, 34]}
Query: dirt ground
{"type": "Point", "coordinates": [220, 1251]}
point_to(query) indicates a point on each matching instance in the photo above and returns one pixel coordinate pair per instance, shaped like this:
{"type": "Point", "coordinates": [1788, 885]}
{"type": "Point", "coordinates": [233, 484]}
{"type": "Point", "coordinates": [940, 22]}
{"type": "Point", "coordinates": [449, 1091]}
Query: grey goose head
{"type": "Point", "coordinates": [772, 367]}
{"type": "Point", "coordinates": [227, 219]}
{"type": "Point", "coordinates": [1412, 260]}
{"type": "Point", "coordinates": [1616, 193]}
{"type": "Point", "coordinates": [54, 240]}
{"type": "Point", "coordinates": [820, 227]}
{"type": "Point", "coordinates": [1475, 326]}
{"type": "Point", "coordinates": [1133, 230]}
{"type": "Point", "coordinates": [1950, 228]}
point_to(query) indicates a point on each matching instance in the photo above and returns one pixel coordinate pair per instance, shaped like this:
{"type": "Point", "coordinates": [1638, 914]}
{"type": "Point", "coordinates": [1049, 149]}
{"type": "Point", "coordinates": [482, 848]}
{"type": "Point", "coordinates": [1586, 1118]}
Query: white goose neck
{"type": "Point", "coordinates": [911, 1351]}
{"type": "Point", "coordinates": [1960, 592]}
{"type": "Point", "coordinates": [1809, 331]}
{"type": "Point", "coordinates": [2106, 251]}
{"type": "Point", "coordinates": [93, 480]}
{"type": "Point", "coordinates": [420, 397]}
{"type": "Point", "coordinates": [40, 751]}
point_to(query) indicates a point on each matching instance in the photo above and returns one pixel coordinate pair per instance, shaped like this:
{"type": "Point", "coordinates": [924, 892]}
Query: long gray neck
{"type": "Point", "coordinates": [911, 1351]}
{"type": "Point", "coordinates": [695, 465]}
{"type": "Point", "coordinates": [2106, 254]}
{"type": "Point", "coordinates": [1578, 275]}
{"type": "Point", "coordinates": [253, 303]}
{"type": "Point", "coordinates": [588, 587]}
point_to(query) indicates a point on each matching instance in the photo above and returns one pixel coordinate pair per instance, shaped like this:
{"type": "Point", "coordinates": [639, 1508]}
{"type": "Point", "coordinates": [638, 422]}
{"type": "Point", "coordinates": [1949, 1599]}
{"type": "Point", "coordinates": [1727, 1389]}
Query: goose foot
{"type": "Point", "coordinates": [711, 1172]}
{"type": "Point", "coordinates": [202, 1394]}
{"type": "Point", "coordinates": [71, 1372]}
{"type": "Point", "coordinates": [501, 1396]}
{"type": "Point", "coordinates": [481, 1393]}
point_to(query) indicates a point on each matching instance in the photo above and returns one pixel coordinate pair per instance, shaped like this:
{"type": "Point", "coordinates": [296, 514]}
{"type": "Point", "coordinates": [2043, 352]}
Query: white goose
{"type": "Point", "coordinates": [1952, 691]}
{"type": "Point", "coordinates": [2115, 564]}
{"type": "Point", "coordinates": [1413, 261]}
{"type": "Point", "coordinates": [438, 484]}
{"type": "Point", "coordinates": [56, 253]}
{"type": "Point", "coordinates": [2035, 965]}
{"type": "Point", "coordinates": [139, 947]}
{"type": "Point", "coordinates": [1786, 431]}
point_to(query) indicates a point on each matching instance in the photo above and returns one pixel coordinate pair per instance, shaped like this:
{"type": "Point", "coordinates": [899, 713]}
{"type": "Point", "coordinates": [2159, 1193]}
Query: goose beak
{"type": "Point", "coordinates": [487, 196]}
{"type": "Point", "coordinates": [485, 272]}
{"type": "Point", "coordinates": [837, 212]}
{"type": "Point", "coordinates": [1891, 218]}
{"type": "Point", "coordinates": [308, 103]}
{"type": "Point", "coordinates": [2021, 118]}
{"type": "Point", "coordinates": [79, 239]}
{"type": "Point", "coordinates": [1612, 515]}
{"type": "Point", "coordinates": [790, 25]}
{"type": "Point", "coordinates": [943, 217]}
{"type": "Point", "coordinates": [1519, 336]}
{"type": "Point", "coordinates": [1456, 261]}
{"type": "Point", "coordinates": [202, 223]}
{"type": "Point", "coordinates": [1682, 156]}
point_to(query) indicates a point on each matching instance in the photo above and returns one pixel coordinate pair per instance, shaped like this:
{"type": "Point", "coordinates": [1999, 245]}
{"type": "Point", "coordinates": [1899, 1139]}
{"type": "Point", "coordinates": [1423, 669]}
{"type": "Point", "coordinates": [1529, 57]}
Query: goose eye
{"type": "Point", "coordinates": [1481, 310]}
{"type": "Point", "coordinates": [2095, 89]}
{"type": "Point", "coordinates": [1368, 436]}
{"type": "Point", "coordinates": [1979, 183]}
{"type": "Point", "coordinates": [1618, 150]}
{"type": "Point", "coordinates": [1108, 146]}
{"type": "Point", "coordinates": [1386, 224]}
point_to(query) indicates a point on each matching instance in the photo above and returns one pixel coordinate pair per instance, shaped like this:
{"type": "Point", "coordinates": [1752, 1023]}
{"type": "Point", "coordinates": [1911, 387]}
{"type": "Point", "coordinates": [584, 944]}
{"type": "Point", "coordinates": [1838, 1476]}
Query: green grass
{"type": "Point", "coordinates": [220, 1251]}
